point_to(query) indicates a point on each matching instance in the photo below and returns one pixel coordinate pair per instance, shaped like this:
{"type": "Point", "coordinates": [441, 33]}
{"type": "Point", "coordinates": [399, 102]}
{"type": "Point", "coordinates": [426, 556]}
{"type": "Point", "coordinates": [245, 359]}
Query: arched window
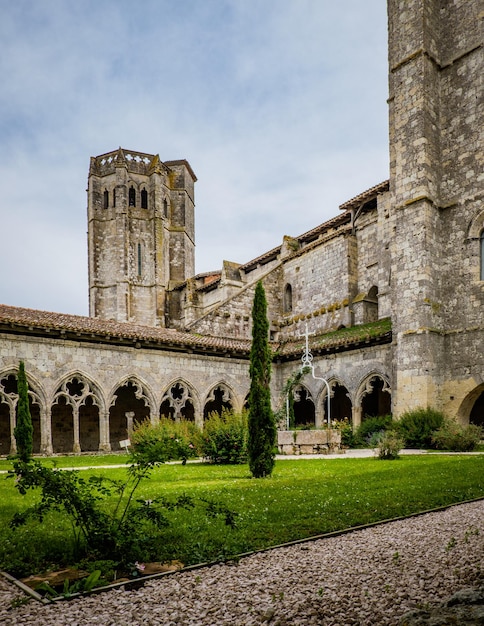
{"type": "Point", "coordinates": [287, 299]}
{"type": "Point", "coordinates": [144, 199]}
{"type": "Point", "coordinates": [482, 255]}
{"type": "Point", "coordinates": [132, 196]}
{"type": "Point", "coordinates": [106, 199]}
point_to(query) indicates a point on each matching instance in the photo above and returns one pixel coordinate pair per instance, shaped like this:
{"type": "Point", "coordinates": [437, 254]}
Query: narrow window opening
{"type": "Point", "coordinates": [165, 208]}
{"type": "Point", "coordinates": [106, 199]}
{"type": "Point", "coordinates": [482, 255]}
{"type": "Point", "coordinates": [287, 299]}
{"type": "Point", "coordinates": [144, 199]}
{"type": "Point", "coordinates": [114, 198]}
{"type": "Point", "coordinates": [132, 197]}
{"type": "Point", "coordinates": [139, 260]}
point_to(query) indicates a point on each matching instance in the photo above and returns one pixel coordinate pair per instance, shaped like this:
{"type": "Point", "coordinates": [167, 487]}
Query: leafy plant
{"type": "Point", "coordinates": [262, 425]}
{"type": "Point", "coordinates": [369, 430]}
{"type": "Point", "coordinates": [127, 532]}
{"type": "Point", "coordinates": [346, 430]}
{"type": "Point", "coordinates": [458, 438]}
{"type": "Point", "coordinates": [388, 445]}
{"type": "Point", "coordinates": [224, 438]}
{"type": "Point", "coordinates": [417, 426]}
{"type": "Point", "coordinates": [166, 440]}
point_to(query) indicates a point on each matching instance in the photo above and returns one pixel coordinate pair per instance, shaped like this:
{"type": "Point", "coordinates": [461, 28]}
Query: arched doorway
{"type": "Point", "coordinates": [304, 409]}
{"type": "Point", "coordinates": [477, 412]}
{"type": "Point", "coordinates": [130, 406]}
{"type": "Point", "coordinates": [75, 416]}
{"type": "Point", "coordinates": [376, 398]}
{"type": "Point", "coordinates": [340, 404]}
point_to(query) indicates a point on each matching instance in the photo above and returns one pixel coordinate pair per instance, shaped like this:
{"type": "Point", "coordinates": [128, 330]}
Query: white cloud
{"type": "Point", "coordinates": [279, 106]}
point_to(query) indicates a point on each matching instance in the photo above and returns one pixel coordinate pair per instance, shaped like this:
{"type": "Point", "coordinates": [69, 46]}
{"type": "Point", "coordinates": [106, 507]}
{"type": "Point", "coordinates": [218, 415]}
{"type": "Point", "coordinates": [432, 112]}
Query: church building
{"type": "Point", "coordinates": [390, 290]}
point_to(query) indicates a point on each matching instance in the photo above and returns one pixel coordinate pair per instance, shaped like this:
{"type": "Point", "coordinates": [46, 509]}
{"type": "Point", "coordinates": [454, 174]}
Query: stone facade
{"type": "Point", "coordinates": [391, 290]}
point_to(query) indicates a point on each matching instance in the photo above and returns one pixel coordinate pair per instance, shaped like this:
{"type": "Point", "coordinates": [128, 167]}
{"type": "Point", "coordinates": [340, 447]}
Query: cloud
{"type": "Point", "coordinates": [279, 106]}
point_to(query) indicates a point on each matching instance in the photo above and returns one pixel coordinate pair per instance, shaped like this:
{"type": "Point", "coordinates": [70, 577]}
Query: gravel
{"type": "Point", "coordinates": [370, 576]}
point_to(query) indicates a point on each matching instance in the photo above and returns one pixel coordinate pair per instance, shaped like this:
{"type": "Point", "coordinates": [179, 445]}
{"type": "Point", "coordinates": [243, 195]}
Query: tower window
{"type": "Point", "coordinates": [144, 199]}
{"type": "Point", "coordinates": [139, 260]}
{"type": "Point", "coordinates": [165, 208]}
{"type": "Point", "coordinates": [106, 199]}
{"type": "Point", "coordinates": [482, 255]}
{"type": "Point", "coordinates": [287, 299]}
{"type": "Point", "coordinates": [132, 196]}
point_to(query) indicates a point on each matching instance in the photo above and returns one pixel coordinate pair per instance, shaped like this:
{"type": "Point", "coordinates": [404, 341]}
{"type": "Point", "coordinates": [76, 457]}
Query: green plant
{"type": "Point", "coordinates": [166, 440]}
{"type": "Point", "coordinates": [388, 445]}
{"type": "Point", "coordinates": [458, 438]}
{"type": "Point", "coordinates": [23, 430]}
{"type": "Point", "coordinates": [370, 428]}
{"type": "Point", "coordinates": [224, 438]}
{"type": "Point", "coordinates": [123, 533]}
{"type": "Point", "coordinates": [345, 428]}
{"type": "Point", "coordinates": [286, 407]}
{"type": "Point", "coordinates": [417, 426]}
{"type": "Point", "coordinates": [262, 426]}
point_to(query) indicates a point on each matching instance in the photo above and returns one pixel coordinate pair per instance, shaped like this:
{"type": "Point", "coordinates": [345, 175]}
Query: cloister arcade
{"type": "Point", "coordinates": [81, 417]}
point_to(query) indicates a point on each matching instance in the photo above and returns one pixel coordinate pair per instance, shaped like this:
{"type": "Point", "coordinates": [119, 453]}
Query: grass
{"type": "Point", "coordinates": [75, 460]}
{"type": "Point", "coordinates": [303, 498]}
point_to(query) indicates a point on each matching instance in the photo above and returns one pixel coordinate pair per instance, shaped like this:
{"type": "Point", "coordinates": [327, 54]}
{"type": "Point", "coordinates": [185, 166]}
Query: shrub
{"type": "Point", "coordinates": [388, 445]}
{"type": "Point", "coordinates": [224, 438]}
{"type": "Point", "coordinates": [345, 428]}
{"type": "Point", "coordinates": [166, 440]}
{"type": "Point", "coordinates": [417, 426]}
{"type": "Point", "coordinates": [458, 438]}
{"type": "Point", "coordinates": [370, 428]}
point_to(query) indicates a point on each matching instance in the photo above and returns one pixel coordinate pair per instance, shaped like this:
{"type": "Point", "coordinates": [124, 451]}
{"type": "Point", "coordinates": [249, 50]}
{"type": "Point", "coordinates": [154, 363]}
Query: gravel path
{"type": "Point", "coordinates": [371, 576]}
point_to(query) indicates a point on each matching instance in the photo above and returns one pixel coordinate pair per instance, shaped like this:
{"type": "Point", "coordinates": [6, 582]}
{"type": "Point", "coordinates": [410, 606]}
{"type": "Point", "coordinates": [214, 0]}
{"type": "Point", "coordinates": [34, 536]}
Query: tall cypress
{"type": "Point", "coordinates": [23, 431]}
{"type": "Point", "coordinates": [262, 425]}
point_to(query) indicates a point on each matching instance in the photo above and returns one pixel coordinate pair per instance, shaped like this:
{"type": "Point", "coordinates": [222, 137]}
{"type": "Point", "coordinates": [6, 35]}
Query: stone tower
{"type": "Point", "coordinates": [436, 190]}
{"type": "Point", "coordinates": [141, 234]}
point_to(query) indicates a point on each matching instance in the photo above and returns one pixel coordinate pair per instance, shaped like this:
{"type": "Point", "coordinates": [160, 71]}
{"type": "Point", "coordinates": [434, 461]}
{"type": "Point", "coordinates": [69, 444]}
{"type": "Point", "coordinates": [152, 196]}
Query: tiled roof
{"type": "Point", "coordinates": [344, 339]}
{"type": "Point", "coordinates": [30, 321]}
{"type": "Point", "coordinates": [78, 328]}
{"type": "Point", "coordinates": [365, 196]}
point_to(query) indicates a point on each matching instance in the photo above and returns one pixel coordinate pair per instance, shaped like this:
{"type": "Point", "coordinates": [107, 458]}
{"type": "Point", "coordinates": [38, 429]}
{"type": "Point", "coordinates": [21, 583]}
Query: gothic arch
{"type": "Point", "coordinates": [304, 406]}
{"type": "Point", "coordinates": [8, 410]}
{"type": "Point", "coordinates": [471, 409]}
{"type": "Point", "coordinates": [221, 396]}
{"type": "Point", "coordinates": [77, 408]}
{"type": "Point", "coordinates": [341, 401]}
{"type": "Point", "coordinates": [130, 402]}
{"type": "Point", "coordinates": [180, 401]}
{"type": "Point", "coordinates": [373, 396]}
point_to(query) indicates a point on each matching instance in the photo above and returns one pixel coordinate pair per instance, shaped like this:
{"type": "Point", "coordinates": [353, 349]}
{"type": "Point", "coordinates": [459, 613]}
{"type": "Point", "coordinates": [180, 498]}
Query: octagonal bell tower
{"type": "Point", "coordinates": [141, 234]}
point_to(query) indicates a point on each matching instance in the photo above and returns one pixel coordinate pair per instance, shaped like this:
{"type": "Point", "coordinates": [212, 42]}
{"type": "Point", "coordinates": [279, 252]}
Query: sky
{"type": "Point", "coordinates": [279, 106]}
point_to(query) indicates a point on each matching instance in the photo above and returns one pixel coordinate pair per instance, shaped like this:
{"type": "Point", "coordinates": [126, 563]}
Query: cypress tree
{"type": "Point", "coordinates": [23, 431]}
{"type": "Point", "coordinates": [262, 426]}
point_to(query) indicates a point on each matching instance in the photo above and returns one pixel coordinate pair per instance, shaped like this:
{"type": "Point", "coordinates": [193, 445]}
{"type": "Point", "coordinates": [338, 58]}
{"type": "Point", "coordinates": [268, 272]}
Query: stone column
{"type": "Point", "coordinates": [104, 443]}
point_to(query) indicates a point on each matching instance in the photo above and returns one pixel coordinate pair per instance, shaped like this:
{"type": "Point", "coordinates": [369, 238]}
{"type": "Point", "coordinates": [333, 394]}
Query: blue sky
{"type": "Point", "coordinates": [278, 105]}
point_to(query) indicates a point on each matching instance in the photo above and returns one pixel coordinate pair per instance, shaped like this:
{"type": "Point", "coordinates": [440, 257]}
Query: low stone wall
{"type": "Point", "coordinates": [326, 441]}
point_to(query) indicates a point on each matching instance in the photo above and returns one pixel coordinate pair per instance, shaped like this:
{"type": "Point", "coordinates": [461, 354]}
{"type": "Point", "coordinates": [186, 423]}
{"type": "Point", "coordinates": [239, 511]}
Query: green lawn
{"type": "Point", "coordinates": [303, 498]}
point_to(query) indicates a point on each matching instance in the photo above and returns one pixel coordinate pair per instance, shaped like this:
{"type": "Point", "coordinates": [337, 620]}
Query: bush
{"type": "Point", "coordinates": [165, 441]}
{"type": "Point", "coordinates": [417, 426]}
{"type": "Point", "coordinates": [388, 445]}
{"type": "Point", "coordinates": [345, 428]}
{"type": "Point", "coordinates": [458, 438]}
{"type": "Point", "coordinates": [224, 438]}
{"type": "Point", "coordinates": [370, 429]}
